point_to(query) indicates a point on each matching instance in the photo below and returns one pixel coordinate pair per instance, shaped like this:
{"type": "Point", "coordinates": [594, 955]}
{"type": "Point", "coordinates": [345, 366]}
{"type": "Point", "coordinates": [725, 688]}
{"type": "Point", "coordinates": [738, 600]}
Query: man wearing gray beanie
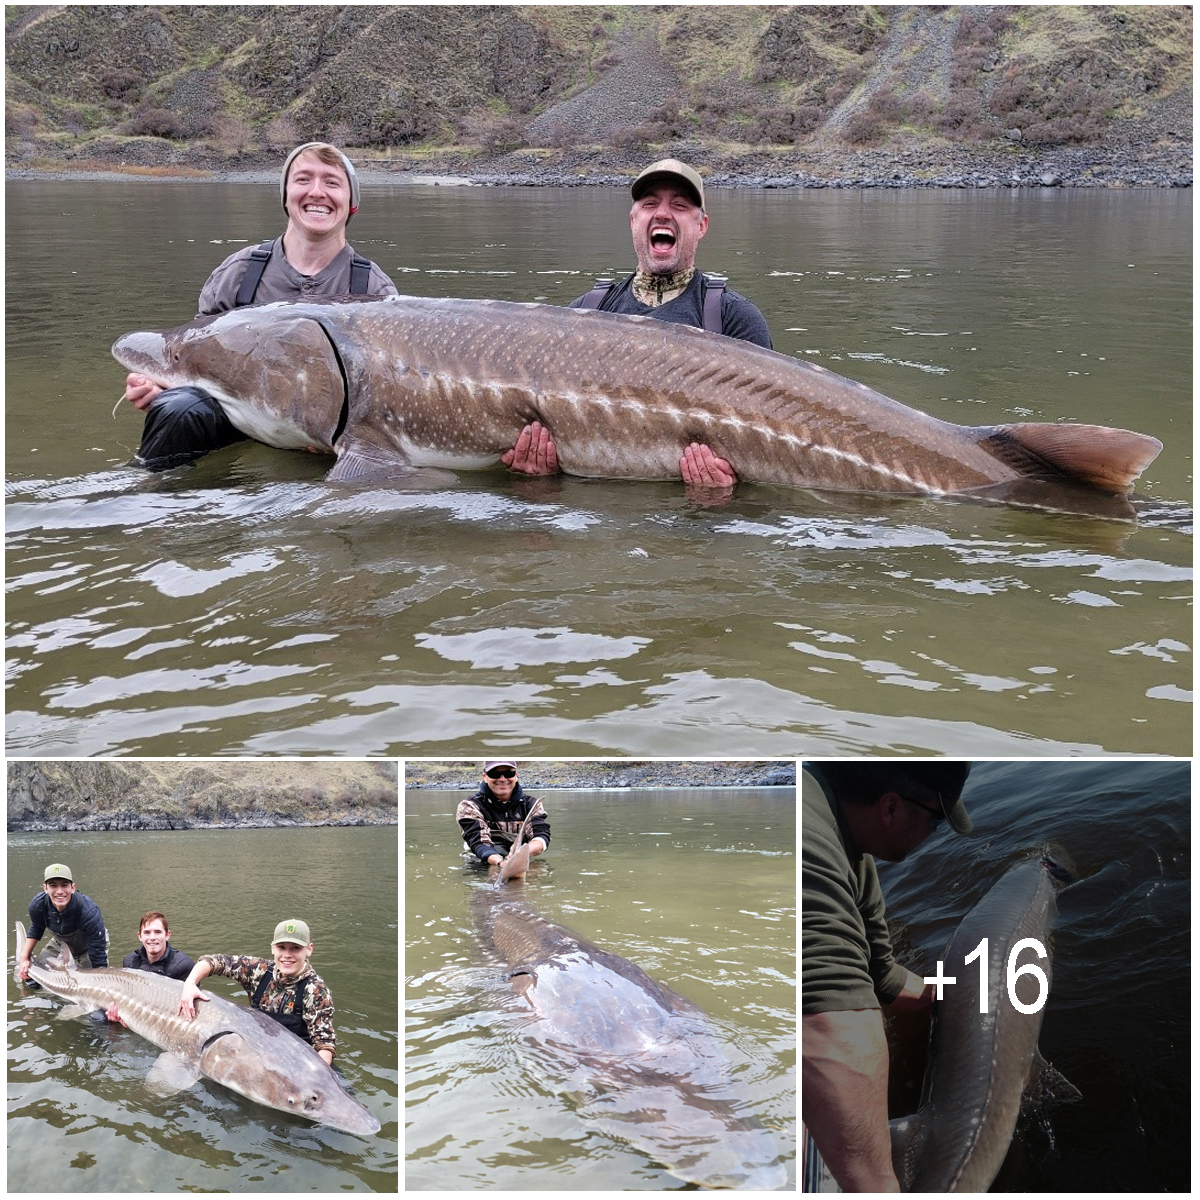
{"type": "Point", "coordinates": [311, 259]}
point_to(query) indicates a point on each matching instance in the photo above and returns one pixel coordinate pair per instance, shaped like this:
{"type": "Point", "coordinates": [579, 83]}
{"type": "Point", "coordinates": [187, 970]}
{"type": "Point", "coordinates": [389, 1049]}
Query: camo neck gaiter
{"type": "Point", "coordinates": [653, 290]}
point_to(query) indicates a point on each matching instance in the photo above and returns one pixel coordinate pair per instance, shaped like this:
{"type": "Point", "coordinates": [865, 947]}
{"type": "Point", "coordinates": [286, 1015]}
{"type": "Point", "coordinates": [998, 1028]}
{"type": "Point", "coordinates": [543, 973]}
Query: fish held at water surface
{"type": "Point", "coordinates": [402, 383]}
{"type": "Point", "coordinates": [238, 1047]}
{"type": "Point", "coordinates": [516, 862]}
{"type": "Point", "coordinates": [650, 1070]}
{"type": "Point", "coordinates": [981, 1065]}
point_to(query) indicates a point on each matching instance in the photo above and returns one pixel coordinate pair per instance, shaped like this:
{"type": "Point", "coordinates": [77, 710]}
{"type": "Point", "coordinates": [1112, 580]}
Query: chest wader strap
{"type": "Point", "coordinates": [713, 295]}
{"type": "Point", "coordinates": [360, 274]}
{"type": "Point", "coordinates": [259, 257]}
{"type": "Point", "coordinates": [598, 294]}
{"type": "Point", "coordinates": [264, 983]}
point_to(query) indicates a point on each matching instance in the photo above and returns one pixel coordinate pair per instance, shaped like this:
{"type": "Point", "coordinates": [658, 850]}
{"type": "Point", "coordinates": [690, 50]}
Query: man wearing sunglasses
{"type": "Point", "coordinates": [855, 812]}
{"type": "Point", "coordinates": [491, 818]}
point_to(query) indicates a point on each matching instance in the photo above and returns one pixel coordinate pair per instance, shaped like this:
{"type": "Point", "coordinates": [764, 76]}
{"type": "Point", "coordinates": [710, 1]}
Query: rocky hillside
{"type": "Point", "coordinates": [615, 774]}
{"type": "Point", "coordinates": [590, 89]}
{"type": "Point", "coordinates": [184, 795]}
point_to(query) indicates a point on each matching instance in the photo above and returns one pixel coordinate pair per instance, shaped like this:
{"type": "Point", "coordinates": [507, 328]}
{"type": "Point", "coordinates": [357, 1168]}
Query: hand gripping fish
{"type": "Point", "coordinates": [238, 1047]}
{"type": "Point", "coordinates": [516, 863]}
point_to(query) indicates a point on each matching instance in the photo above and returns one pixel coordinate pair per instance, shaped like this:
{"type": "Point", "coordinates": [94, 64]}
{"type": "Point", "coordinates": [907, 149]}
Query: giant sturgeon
{"type": "Point", "coordinates": [240, 1048]}
{"type": "Point", "coordinates": [980, 1065]}
{"type": "Point", "coordinates": [639, 1058]}
{"type": "Point", "coordinates": [402, 383]}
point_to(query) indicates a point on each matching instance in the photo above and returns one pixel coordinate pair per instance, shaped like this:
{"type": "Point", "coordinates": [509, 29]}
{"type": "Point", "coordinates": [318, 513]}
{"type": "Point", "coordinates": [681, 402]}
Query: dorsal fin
{"type": "Point", "coordinates": [1107, 458]}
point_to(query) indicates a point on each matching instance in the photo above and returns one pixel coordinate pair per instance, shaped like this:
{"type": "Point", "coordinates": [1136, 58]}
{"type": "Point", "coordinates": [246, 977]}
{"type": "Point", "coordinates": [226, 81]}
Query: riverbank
{"type": "Point", "coordinates": [1157, 156]}
{"type": "Point", "coordinates": [547, 774]}
{"type": "Point", "coordinates": [106, 796]}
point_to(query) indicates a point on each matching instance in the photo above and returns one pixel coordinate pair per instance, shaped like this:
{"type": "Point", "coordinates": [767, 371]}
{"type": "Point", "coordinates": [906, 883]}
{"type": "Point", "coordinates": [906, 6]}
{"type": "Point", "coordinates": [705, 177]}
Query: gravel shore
{"type": "Point", "coordinates": [1153, 157]}
{"type": "Point", "coordinates": [616, 774]}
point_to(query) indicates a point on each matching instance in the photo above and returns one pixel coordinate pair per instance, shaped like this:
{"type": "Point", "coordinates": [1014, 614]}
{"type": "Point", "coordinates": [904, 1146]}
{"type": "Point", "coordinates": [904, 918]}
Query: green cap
{"type": "Point", "coordinates": [673, 170]}
{"type": "Point", "coordinates": [58, 871]}
{"type": "Point", "coordinates": [292, 931]}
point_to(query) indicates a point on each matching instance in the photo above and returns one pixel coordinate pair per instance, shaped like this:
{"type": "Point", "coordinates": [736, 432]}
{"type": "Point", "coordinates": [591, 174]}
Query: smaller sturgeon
{"type": "Point", "coordinates": [980, 1065]}
{"type": "Point", "coordinates": [238, 1047]}
{"type": "Point", "coordinates": [516, 862]}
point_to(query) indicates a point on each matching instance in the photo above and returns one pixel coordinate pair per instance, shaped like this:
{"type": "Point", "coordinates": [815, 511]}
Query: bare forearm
{"type": "Point", "coordinates": [845, 1097]}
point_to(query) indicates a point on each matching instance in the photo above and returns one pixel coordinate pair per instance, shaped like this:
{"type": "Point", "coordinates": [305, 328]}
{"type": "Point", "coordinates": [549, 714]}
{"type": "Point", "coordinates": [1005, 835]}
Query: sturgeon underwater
{"type": "Point", "coordinates": [237, 1047]}
{"type": "Point", "coordinates": [402, 384]}
{"type": "Point", "coordinates": [638, 1060]}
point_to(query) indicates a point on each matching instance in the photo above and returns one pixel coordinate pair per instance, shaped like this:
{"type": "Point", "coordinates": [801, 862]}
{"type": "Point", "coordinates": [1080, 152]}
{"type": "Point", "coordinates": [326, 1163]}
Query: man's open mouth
{"type": "Point", "coordinates": [662, 238]}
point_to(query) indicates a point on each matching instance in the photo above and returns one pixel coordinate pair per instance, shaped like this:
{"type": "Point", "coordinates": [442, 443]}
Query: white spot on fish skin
{"type": "Point", "coordinates": [878, 467]}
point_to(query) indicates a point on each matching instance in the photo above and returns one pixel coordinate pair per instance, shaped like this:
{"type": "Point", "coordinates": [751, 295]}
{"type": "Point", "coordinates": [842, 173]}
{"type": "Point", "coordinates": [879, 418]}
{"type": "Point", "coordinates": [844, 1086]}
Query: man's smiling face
{"type": "Point", "coordinates": [318, 195]}
{"type": "Point", "coordinates": [667, 225]}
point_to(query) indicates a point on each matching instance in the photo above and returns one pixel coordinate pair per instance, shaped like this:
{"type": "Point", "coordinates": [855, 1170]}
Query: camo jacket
{"type": "Point", "coordinates": [318, 1000]}
{"type": "Point", "coordinates": [489, 825]}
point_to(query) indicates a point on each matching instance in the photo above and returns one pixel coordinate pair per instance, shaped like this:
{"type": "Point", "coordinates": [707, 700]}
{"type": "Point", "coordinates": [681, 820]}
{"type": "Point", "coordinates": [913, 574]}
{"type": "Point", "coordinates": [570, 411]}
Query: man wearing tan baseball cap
{"type": "Point", "coordinates": [667, 221]}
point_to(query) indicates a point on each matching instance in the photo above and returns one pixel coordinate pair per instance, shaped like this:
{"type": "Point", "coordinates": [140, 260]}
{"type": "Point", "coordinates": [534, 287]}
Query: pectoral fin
{"type": "Point", "coordinates": [523, 979]}
{"type": "Point", "coordinates": [170, 1074]}
{"type": "Point", "coordinates": [1048, 1086]}
{"type": "Point", "coordinates": [358, 463]}
{"type": "Point", "coordinates": [76, 1011]}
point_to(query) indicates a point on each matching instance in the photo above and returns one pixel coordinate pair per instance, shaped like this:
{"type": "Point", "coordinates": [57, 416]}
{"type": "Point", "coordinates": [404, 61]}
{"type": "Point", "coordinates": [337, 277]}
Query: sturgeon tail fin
{"type": "Point", "coordinates": [1111, 459]}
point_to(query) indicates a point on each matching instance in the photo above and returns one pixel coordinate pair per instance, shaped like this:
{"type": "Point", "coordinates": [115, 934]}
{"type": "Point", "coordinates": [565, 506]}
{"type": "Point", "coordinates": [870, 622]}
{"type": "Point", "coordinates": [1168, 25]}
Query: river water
{"type": "Point", "coordinates": [243, 606]}
{"type": "Point", "coordinates": [696, 886]}
{"type": "Point", "coordinates": [1117, 1021]}
{"type": "Point", "coordinates": [79, 1116]}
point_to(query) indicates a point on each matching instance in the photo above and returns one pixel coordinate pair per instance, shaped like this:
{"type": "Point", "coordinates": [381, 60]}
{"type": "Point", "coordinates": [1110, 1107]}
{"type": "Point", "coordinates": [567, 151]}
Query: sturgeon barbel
{"type": "Point", "coordinates": [640, 1059]}
{"type": "Point", "coordinates": [402, 383]}
{"type": "Point", "coordinates": [238, 1047]}
{"type": "Point", "coordinates": [980, 1065]}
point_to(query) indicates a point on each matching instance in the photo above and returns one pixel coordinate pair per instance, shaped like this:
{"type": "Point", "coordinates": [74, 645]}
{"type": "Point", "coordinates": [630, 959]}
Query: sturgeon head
{"type": "Point", "coordinates": [276, 375]}
{"type": "Point", "coordinates": [267, 1064]}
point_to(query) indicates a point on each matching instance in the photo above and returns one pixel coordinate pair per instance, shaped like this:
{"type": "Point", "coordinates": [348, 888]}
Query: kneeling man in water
{"type": "Point", "coordinates": [287, 990]}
